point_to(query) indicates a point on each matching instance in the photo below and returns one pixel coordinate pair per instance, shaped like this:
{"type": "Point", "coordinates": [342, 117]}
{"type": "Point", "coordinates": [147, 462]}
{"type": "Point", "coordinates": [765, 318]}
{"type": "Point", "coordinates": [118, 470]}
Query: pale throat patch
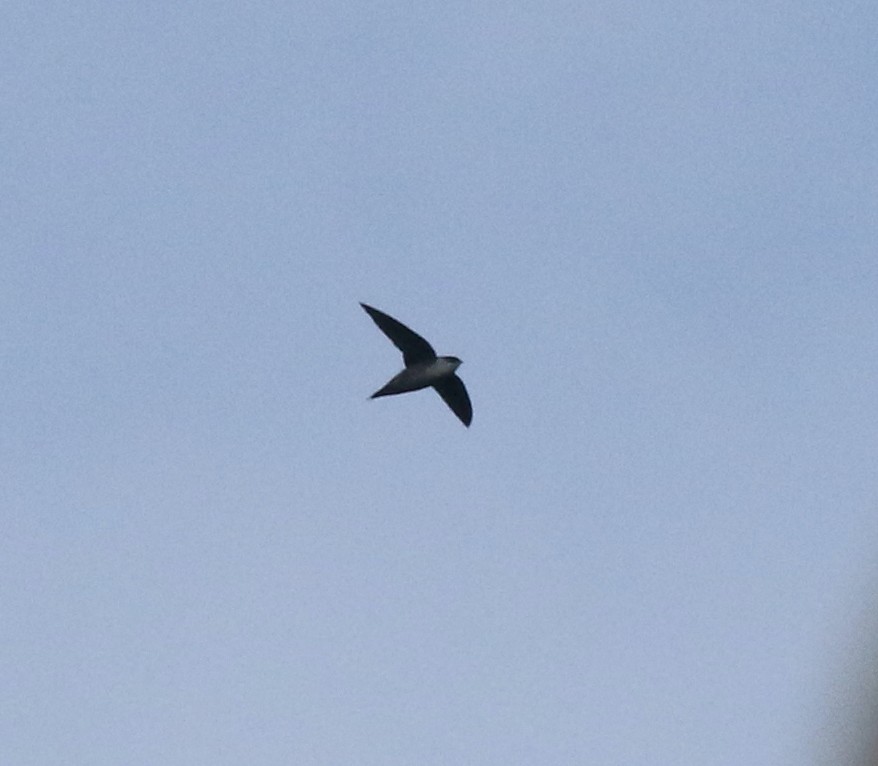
{"type": "Point", "coordinates": [445, 365]}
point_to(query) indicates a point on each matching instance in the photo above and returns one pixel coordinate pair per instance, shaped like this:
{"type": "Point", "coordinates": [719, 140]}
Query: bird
{"type": "Point", "coordinates": [422, 367]}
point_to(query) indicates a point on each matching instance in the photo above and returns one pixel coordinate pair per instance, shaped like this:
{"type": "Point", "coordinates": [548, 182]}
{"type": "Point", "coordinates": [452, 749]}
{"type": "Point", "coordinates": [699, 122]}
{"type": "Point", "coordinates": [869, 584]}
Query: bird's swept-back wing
{"type": "Point", "coordinates": [414, 348]}
{"type": "Point", "coordinates": [453, 392]}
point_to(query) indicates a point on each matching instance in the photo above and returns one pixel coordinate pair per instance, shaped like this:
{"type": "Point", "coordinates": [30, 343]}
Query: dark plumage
{"type": "Point", "coordinates": [422, 367]}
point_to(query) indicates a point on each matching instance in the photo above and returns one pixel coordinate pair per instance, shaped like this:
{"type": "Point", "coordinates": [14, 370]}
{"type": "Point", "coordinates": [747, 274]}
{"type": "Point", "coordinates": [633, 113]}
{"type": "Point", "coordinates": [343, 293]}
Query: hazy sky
{"type": "Point", "coordinates": [649, 229]}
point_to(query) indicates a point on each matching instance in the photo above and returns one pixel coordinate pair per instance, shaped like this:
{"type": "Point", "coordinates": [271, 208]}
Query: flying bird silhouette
{"type": "Point", "coordinates": [422, 367]}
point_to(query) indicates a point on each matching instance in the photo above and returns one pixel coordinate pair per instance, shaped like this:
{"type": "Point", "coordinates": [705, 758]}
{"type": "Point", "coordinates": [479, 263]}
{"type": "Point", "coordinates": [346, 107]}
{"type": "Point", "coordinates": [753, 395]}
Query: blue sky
{"type": "Point", "coordinates": [648, 229]}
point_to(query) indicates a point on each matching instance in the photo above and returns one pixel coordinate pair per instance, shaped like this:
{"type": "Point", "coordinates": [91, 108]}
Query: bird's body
{"type": "Point", "coordinates": [422, 367]}
{"type": "Point", "coordinates": [419, 375]}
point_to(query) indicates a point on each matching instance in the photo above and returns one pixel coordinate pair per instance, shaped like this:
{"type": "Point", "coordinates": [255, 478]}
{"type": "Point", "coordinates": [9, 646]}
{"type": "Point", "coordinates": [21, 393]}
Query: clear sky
{"type": "Point", "coordinates": [650, 231]}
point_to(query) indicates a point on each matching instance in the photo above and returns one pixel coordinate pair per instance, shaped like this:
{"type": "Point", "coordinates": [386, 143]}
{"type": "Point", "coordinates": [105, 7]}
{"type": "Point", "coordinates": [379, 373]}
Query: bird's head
{"type": "Point", "coordinates": [451, 362]}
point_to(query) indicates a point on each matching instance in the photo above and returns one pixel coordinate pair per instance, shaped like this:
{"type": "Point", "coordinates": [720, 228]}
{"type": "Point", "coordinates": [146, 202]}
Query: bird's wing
{"type": "Point", "coordinates": [414, 348]}
{"type": "Point", "coordinates": [453, 392]}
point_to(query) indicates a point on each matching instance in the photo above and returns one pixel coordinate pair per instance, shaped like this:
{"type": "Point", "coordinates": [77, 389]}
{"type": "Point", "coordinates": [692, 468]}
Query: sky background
{"type": "Point", "coordinates": [649, 229]}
